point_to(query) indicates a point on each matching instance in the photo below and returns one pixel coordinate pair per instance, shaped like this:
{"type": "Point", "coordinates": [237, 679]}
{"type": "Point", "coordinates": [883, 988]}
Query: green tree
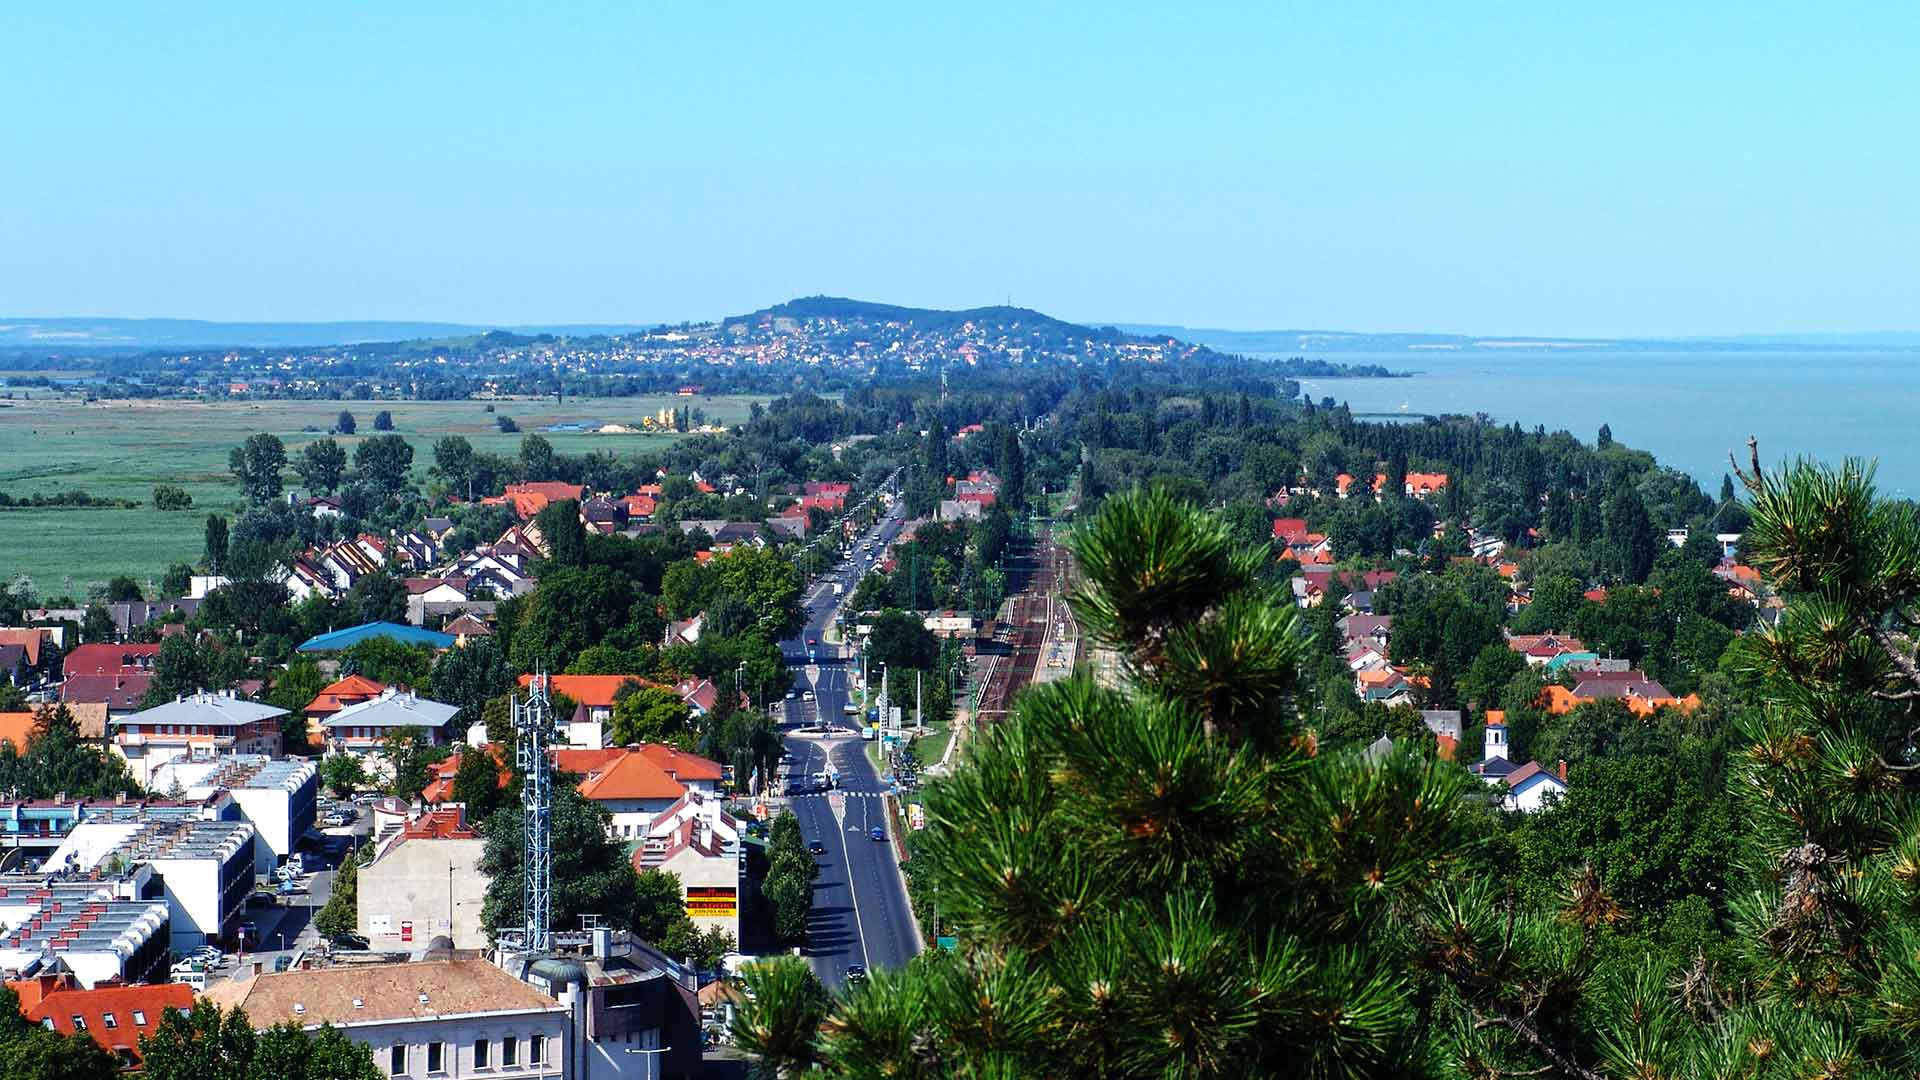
{"type": "Point", "coordinates": [561, 530]}
{"type": "Point", "coordinates": [591, 873]}
{"type": "Point", "coordinates": [409, 753]}
{"type": "Point", "coordinates": [322, 465]}
{"type": "Point", "coordinates": [121, 589]}
{"type": "Point", "coordinates": [383, 421]}
{"type": "Point", "coordinates": [176, 581]}
{"type": "Point", "coordinates": [343, 774]}
{"type": "Point", "coordinates": [536, 458]}
{"type": "Point", "coordinates": [209, 1044]}
{"type": "Point", "coordinates": [181, 667]}
{"type": "Point", "coordinates": [1111, 854]}
{"type": "Point", "coordinates": [216, 546]}
{"type": "Point", "coordinates": [901, 640]}
{"type": "Point", "coordinates": [341, 914]}
{"type": "Point", "coordinates": [171, 497]}
{"type": "Point", "coordinates": [345, 424]}
{"type": "Point", "coordinates": [649, 714]}
{"type": "Point", "coordinates": [1631, 538]}
{"type": "Point", "coordinates": [453, 457]}
{"type": "Point", "coordinates": [476, 785]}
{"type": "Point", "coordinates": [377, 597]}
{"type": "Point", "coordinates": [97, 624]}
{"type": "Point", "coordinates": [384, 461]}
{"type": "Point", "coordinates": [256, 463]}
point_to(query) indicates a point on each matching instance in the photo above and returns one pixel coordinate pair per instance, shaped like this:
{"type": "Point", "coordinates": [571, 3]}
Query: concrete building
{"type": "Point", "coordinates": [99, 931]}
{"type": "Point", "coordinates": [278, 797]}
{"type": "Point", "coordinates": [698, 842]}
{"type": "Point", "coordinates": [634, 1012]}
{"type": "Point", "coordinates": [424, 883]}
{"type": "Point", "coordinates": [451, 1019]}
{"type": "Point", "coordinates": [200, 727]}
{"type": "Point", "coordinates": [204, 869]}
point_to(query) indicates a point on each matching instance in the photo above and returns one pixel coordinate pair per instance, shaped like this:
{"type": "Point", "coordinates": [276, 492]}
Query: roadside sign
{"type": "Point", "coordinates": [947, 942]}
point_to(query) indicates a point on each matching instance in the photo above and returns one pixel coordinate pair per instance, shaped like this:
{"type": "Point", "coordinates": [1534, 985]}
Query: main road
{"type": "Point", "coordinates": [860, 910]}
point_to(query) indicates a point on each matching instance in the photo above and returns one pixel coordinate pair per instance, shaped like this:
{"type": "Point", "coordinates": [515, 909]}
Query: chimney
{"type": "Point", "coordinates": [1563, 770]}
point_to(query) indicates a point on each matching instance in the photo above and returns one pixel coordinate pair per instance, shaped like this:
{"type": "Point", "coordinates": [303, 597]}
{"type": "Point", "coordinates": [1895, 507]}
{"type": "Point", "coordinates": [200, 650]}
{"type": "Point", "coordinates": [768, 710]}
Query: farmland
{"type": "Point", "coordinates": [122, 449]}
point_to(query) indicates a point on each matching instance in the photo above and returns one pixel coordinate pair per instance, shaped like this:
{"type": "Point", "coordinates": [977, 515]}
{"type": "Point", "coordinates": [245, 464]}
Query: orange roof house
{"type": "Point", "coordinates": [1420, 484]}
{"type": "Point", "coordinates": [351, 690]}
{"type": "Point", "coordinates": [114, 1016]}
{"type": "Point", "coordinates": [593, 691]}
{"type": "Point", "coordinates": [682, 766]}
{"type": "Point", "coordinates": [630, 776]}
{"type": "Point", "coordinates": [15, 727]}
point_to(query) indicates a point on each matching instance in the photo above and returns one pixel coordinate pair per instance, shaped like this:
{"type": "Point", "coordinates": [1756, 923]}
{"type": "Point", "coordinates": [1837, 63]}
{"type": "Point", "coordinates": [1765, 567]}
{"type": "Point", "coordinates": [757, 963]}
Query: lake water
{"type": "Point", "coordinates": [1688, 408]}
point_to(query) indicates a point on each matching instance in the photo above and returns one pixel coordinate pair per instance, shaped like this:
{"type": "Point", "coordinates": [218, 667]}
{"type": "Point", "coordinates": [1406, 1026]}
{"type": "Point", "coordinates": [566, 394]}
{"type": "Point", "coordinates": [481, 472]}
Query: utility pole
{"type": "Point", "coordinates": [919, 699]}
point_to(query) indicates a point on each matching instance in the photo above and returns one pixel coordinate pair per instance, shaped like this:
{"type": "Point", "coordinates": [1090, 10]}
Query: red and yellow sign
{"type": "Point", "coordinates": [712, 902]}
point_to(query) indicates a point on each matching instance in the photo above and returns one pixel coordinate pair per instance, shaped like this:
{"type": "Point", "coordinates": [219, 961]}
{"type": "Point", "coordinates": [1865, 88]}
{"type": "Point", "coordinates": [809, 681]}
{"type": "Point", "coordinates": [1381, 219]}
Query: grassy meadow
{"type": "Point", "coordinates": [122, 449]}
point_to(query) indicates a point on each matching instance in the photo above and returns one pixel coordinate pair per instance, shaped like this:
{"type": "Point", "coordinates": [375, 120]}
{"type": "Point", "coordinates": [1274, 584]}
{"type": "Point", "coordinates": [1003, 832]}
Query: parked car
{"type": "Point", "coordinates": [351, 941]}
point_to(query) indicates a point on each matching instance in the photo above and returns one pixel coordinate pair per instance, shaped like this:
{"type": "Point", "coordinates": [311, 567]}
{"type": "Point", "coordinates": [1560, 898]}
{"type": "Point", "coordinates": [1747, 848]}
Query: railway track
{"type": "Point", "coordinates": [1027, 616]}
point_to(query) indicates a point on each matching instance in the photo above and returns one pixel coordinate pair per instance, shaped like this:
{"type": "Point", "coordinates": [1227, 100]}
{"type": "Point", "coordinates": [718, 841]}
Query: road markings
{"type": "Point", "coordinates": [853, 894]}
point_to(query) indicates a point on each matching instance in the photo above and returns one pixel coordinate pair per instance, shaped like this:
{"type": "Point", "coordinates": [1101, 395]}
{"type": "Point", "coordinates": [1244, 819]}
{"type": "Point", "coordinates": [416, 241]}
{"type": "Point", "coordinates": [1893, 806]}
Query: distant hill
{"type": "Point", "coordinates": [137, 334]}
{"type": "Point", "coordinates": [836, 307]}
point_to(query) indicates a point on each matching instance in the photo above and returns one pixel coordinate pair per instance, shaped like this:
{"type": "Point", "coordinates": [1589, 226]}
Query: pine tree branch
{"type": "Point", "coordinates": [1895, 654]}
{"type": "Point", "coordinates": [1523, 1027]}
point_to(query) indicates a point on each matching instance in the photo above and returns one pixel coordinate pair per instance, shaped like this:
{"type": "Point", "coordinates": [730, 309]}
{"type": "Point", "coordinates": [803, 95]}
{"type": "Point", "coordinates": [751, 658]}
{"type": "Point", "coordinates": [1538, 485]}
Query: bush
{"type": "Point", "coordinates": [171, 497]}
{"type": "Point", "coordinates": [506, 424]}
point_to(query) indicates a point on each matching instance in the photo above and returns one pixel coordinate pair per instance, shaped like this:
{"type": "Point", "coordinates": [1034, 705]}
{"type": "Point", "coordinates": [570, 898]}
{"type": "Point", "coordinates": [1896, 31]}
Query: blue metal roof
{"type": "Point", "coordinates": [337, 640]}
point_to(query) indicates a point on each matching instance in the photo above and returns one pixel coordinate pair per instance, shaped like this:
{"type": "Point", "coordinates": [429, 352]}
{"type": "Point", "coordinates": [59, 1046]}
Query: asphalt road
{"type": "Point", "coordinates": [860, 912]}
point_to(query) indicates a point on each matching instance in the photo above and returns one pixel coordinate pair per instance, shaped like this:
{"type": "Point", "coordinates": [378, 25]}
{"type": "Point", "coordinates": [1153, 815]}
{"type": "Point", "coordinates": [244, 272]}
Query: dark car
{"type": "Point", "coordinates": [877, 832]}
{"type": "Point", "coordinates": [856, 973]}
{"type": "Point", "coordinates": [351, 941]}
{"type": "Point", "coordinates": [817, 848]}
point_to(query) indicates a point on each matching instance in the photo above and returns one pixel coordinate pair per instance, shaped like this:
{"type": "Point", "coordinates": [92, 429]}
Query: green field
{"type": "Point", "coordinates": [123, 449]}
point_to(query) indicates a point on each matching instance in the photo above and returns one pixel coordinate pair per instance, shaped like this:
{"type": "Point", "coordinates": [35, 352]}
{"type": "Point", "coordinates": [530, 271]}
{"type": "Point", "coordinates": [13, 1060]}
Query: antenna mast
{"type": "Point", "coordinates": [532, 724]}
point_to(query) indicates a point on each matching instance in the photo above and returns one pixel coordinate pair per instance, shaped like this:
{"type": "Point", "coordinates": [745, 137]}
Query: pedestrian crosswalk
{"type": "Point", "coordinates": [843, 794]}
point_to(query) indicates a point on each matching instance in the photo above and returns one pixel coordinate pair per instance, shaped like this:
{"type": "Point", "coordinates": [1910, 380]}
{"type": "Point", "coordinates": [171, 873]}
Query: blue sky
{"type": "Point", "coordinates": [1638, 168]}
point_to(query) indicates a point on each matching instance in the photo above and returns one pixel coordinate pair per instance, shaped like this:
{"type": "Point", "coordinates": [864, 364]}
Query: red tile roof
{"type": "Point", "coordinates": [682, 766]}
{"type": "Point", "coordinates": [595, 691]}
{"type": "Point", "coordinates": [113, 691]}
{"type": "Point", "coordinates": [108, 659]}
{"type": "Point", "coordinates": [15, 727]}
{"type": "Point", "coordinates": [351, 690]}
{"type": "Point", "coordinates": [631, 776]}
{"type": "Point", "coordinates": [56, 998]}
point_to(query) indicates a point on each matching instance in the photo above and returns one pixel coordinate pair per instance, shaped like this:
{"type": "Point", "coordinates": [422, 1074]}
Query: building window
{"type": "Point", "coordinates": [537, 1051]}
{"type": "Point", "coordinates": [125, 1056]}
{"type": "Point", "coordinates": [436, 1053]}
{"type": "Point", "coordinates": [107, 1021]}
{"type": "Point", "coordinates": [397, 1059]}
{"type": "Point", "coordinates": [79, 1022]}
{"type": "Point", "coordinates": [139, 1018]}
{"type": "Point", "coordinates": [482, 1052]}
{"type": "Point", "coordinates": [510, 1051]}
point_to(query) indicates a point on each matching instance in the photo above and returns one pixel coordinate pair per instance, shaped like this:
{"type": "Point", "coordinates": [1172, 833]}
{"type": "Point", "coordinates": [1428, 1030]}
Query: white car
{"type": "Point", "coordinates": [808, 696]}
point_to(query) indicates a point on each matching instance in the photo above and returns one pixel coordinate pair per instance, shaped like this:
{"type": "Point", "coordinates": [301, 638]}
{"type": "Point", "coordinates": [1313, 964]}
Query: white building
{"type": "Point", "coordinates": [363, 729]}
{"type": "Point", "coordinates": [450, 1019]}
{"type": "Point", "coordinates": [200, 727]}
{"type": "Point", "coordinates": [698, 842]}
{"type": "Point", "coordinates": [278, 797]}
{"type": "Point", "coordinates": [634, 1012]}
{"type": "Point", "coordinates": [205, 869]}
{"type": "Point", "coordinates": [95, 928]}
{"type": "Point", "coordinates": [424, 883]}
